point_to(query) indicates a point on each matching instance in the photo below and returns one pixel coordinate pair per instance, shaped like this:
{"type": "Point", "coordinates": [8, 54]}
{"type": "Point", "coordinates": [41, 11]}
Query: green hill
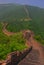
{"type": "Point", "coordinates": [15, 15]}
{"type": "Point", "coordinates": [20, 17]}
{"type": "Point", "coordinates": [12, 12]}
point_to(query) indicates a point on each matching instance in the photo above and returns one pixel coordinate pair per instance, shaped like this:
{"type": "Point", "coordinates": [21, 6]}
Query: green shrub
{"type": "Point", "coordinates": [11, 44]}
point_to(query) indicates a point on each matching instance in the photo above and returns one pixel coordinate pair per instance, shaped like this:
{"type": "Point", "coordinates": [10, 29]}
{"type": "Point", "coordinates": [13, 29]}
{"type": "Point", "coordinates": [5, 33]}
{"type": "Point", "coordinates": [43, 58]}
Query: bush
{"type": "Point", "coordinates": [13, 43]}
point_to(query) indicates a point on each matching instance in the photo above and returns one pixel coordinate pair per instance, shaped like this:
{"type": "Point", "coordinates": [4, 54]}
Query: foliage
{"type": "Point", "coordinates": [38, 38]}
{"type": "Point", "coordinates": [13, 14]}
{"type": "Point", "coordinates": [11, 44]}
{"type": "Point", "coordinates": [18, 26]}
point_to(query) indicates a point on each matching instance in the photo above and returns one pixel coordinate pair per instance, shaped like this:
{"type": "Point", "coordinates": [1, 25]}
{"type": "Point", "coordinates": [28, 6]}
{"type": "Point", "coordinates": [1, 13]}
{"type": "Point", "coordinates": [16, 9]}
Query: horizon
{"type": "Point", "coordinates": [38, 3]}
{"type": "Point", "coordinates": [20, 4]}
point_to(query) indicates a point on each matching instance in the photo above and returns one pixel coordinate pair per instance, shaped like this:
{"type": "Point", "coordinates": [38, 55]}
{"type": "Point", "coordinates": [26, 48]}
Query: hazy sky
{"type": "Point", "coordinates": [39, 3]}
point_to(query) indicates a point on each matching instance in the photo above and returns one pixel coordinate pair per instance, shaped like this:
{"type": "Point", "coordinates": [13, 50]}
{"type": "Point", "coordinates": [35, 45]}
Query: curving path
{"type": "Point", "coordinates": [8, 33]}
{"type": "Point", "coordinates": [5, 31]}
{"type": "Point", "coordinates": [27, 12]}
{"type": "Point", "coordinates": [36, 56]}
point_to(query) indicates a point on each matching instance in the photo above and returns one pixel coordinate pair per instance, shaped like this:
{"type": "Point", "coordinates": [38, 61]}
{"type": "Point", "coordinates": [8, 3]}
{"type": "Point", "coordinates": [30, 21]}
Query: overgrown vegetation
{"type": "Point", "coordinates": [37, 24]}
{"type": "Point", "coordinates": [10, 44]}
{"type": "Point", "coordinates": [13, 14]}
{"type": "Point", "coordinates": [9, 12]}
{"type": "Point", "coordinates": [13, 43]}
{"type": "Point", "coordinates": [18, 26]}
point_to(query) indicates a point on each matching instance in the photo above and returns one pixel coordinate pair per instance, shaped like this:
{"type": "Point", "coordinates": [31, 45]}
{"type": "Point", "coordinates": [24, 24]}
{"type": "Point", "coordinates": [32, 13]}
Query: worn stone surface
{"type": "Point", "coordinates": [31, 59]}
{"type": "Point", "coordinates": [15, 57]}
{"type": "Point", "coordinates": [33, 55]}
{"type": "Point", "coordinates": [36, 56]}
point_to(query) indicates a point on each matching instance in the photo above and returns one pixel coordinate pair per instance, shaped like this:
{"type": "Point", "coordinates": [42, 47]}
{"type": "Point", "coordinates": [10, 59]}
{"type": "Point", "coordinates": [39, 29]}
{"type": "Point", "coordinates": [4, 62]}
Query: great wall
{"type": "Point", "coordinates": [33, 55]}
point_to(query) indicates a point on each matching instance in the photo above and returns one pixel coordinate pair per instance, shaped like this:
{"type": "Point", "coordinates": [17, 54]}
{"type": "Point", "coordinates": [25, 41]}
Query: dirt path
{"type": "Point", "coordinates": [27, 12]}
{"type": "Point", "coordinates": [5, 31]}
{"type": "Point", "coordinates": [36, 56]}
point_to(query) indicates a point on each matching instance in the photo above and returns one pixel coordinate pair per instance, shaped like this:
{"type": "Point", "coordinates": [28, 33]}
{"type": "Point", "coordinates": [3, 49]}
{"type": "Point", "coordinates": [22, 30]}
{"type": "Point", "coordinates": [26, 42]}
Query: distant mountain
{"type": "Point", "coordinates": [8, 11]}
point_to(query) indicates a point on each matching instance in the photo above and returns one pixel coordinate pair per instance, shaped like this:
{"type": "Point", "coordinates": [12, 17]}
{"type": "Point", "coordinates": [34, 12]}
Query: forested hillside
{"type": "Point", "coordinates": [19, 17]}
{"type": "Point", "coordinates": [12, 12]}
{"type": "Point", "coordinates": [18, 20]}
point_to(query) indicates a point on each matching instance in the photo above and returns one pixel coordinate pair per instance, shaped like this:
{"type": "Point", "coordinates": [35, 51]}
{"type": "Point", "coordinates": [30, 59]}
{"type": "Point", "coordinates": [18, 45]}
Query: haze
{"type": "Point", "coordinates": [39, 3]}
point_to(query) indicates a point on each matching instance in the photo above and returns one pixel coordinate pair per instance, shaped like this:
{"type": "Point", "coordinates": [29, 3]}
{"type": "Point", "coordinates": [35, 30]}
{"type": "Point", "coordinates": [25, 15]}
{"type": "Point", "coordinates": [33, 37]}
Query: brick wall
{"type": "Point", "coordinates": [15, 57]}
